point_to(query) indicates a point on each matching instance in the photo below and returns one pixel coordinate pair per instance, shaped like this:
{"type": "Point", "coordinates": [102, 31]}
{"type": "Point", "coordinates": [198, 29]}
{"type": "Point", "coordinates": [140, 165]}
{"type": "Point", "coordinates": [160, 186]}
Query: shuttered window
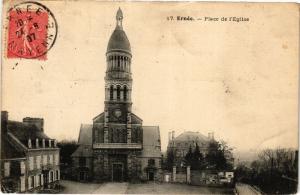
{"type": "Point", "coordinates": [42, 179]}
{"type": "Point", "coordinates": [45, 159]}
{"type": "Point", "coordinates": [38, 162]}
{"type": "Point", "coordinates": [51, 159]}
{"type": "Point", "coordinates": [22, 167]}
{"type": "Point", "coordinates": [22, 184]}
{"type": "Point", "coordinates": [56, 159]}
{"type": "Point", "coordinates": [31, 160]}
{"type": "Point", "coordinates": [6, 169]}
{"type": "Point", "coordinates": [29, 183]}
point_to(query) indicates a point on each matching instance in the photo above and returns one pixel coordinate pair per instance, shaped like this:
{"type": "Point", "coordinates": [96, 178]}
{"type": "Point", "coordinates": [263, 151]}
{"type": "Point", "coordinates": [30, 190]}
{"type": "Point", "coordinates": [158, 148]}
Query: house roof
{"type": "Point", "coordinates": [24, 132]}
{"type": "Point", "coordinates": [86, 134]}
{"type": "Point", "coordinates": [191, 136]}
{"type": "Point", "coordinates": [151, 142]}
{"type": "Point", "coordinates": [9, 150]}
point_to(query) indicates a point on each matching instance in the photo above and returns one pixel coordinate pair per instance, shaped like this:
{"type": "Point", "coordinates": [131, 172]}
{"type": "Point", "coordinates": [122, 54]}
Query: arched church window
{"type": "Point", "coordinates": [111, 93]}
{"type": "Point", "coordinates": [118, 92]}
{"type": "Point", "coordinates": [125, 92]}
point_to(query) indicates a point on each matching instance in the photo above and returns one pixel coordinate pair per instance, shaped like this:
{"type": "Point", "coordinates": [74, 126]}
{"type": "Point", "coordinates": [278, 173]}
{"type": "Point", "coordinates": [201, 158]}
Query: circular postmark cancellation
{"type": "Point", "coordinates": [32, 31]}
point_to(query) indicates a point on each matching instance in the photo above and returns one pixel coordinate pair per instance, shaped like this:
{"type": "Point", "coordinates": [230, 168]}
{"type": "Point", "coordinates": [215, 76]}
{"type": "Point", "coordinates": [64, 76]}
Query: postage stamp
{"type": "Point", "coordinates": [32, 31]}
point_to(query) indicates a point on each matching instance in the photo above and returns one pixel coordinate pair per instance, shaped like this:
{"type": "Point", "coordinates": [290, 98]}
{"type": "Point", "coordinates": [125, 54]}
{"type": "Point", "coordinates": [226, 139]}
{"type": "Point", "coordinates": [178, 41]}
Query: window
{"type": "Point", "coordinates": [151, 162]}
{"type": "Point", "coordinates": [31, 160]}
{"type": "Point", "coordinates": [111, 93]}
{"type": "Point", "coordinates": [40, 179]}
{"type": "Point", "coordinates": [125, 93]}
{"type": "Point", "coordinates": [6, 169]}
{"type": "Point", "coordinates": [51, 176]}
{"type": "Point", "coordinates": [118, 92]}
{"type": "Point", "coordinates": [57, 174]}
{"type": "Point", "coordinates": [82, 161]}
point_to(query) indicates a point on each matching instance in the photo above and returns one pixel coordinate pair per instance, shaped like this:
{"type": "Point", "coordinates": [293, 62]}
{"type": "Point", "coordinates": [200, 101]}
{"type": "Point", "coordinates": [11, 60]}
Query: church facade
{"type": "Point", "coordinates": [117, 147]}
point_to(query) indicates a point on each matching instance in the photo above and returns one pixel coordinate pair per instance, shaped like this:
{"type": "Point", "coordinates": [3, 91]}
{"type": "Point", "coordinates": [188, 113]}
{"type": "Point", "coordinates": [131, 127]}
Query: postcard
{"type": "Point", "coordinates": [149, 97]}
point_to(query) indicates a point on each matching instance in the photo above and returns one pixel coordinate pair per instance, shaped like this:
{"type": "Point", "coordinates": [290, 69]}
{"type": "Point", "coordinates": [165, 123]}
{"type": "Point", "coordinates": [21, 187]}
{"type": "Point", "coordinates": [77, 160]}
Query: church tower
{"type": "Point", "coordinates": [118, 83]}
{"type": "Point", "coordinates": [118, 146]}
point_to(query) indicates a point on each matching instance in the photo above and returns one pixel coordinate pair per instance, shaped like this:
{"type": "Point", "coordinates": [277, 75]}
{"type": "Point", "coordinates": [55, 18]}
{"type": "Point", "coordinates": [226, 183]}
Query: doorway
{"type": "Point", "coordinates": [81, 175]}
{"type": "Point", "coordinates": [117, 172]}
{"type": "Point", "coordinates": [151, 176]}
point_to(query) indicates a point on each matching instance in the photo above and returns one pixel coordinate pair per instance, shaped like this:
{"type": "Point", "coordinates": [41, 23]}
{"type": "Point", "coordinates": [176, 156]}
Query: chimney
{"type": "Point", "coordinates": [37, 122]}
{"type": "Point", "coordinates": [43, 143]}
{"type": "Point", "coordinates": [36, 142]}
{"type": "Point", "coordinates": [173, 135]}
{"type": "Point", "coordinates": [4, 121]}
{"type": "Point", "coordinates": [29, 143]}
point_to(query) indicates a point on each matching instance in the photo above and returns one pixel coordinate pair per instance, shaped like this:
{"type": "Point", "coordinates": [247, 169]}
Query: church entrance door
{"type": "Point", "coordinates": [151, 176]}
{"type": "Point", "coordinates": [117, 172]}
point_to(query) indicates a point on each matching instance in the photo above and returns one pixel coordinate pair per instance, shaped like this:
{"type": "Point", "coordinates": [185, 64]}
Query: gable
{"type": "Point", "coordinates": [99, 118]}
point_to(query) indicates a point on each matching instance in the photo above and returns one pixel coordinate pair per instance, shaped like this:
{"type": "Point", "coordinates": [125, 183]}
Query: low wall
{"type": "Point", "coordinates": [199, 177]}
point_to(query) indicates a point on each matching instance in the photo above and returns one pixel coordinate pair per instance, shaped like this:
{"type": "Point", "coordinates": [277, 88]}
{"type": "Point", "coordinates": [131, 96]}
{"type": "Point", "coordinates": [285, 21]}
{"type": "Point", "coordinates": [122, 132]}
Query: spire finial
{"type": "Point", "coordinates": [119, 18]}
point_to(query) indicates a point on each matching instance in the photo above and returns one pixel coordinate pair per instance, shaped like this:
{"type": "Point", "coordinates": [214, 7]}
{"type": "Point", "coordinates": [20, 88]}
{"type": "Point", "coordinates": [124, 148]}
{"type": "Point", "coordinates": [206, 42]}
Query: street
{"type": "Point", "coordinates": [141, 188]}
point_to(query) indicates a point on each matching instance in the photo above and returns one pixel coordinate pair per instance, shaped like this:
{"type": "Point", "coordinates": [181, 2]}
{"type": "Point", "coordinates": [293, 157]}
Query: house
{"type": "Point", "coordinates": [29, 158]}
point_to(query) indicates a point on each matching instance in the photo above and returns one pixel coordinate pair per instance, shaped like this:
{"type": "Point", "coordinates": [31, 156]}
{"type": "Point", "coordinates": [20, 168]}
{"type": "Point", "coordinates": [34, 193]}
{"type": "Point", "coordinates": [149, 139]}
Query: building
{"type": "Point", "coordinates": [29, 158]}
{"type": "Point", "coordinates": [117, 147]}
{"type": "Point", "coordinates": [181, 144]}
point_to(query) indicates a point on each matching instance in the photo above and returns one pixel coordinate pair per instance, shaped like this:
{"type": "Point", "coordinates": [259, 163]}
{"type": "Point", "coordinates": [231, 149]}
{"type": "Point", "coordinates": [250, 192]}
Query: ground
{"type": "Point", "coordinates": [144, 188]}
{"type": "Point", "coordinates": [246, 189]}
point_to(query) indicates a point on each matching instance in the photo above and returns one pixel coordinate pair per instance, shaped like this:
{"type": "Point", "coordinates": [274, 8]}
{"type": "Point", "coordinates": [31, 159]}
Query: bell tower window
{"type": "Point", "coordinates": [118, 92]}
{"type": "Point", "coordinates": [111, 93]}
{"type": "Point", "coordinates": [125, 93]}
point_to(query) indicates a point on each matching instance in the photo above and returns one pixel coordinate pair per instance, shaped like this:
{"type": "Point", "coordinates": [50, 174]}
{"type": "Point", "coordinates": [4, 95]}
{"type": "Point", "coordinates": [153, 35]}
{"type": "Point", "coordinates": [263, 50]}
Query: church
{"type": "Point", "coordinates": [116, 146]}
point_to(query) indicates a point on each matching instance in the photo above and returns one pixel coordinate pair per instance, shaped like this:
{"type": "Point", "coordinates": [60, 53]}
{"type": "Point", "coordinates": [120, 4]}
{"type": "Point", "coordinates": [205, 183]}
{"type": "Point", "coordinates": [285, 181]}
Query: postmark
{"type": "Point", "coordinates": [32, 31]}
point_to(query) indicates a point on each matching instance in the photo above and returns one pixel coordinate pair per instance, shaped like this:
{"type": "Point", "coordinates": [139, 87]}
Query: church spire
{"type": "Point", "coordinates": [119, 18]}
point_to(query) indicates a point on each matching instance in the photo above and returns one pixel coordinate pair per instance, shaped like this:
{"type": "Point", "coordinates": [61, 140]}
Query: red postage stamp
{"type": "Point", "coordinates": [32, 31]}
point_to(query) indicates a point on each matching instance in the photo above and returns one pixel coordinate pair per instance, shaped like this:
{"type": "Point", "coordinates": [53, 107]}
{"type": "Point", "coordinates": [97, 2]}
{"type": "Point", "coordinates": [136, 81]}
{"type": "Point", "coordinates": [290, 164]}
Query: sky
{"type": "Point", "coordinates": [236, 79]}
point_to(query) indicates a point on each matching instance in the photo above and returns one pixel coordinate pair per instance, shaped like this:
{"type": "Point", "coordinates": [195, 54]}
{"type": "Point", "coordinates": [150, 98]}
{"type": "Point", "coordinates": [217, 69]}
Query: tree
{"type": "Point", "coordinates": [170, 158]}
{"type": "Point", "coordinates": [188, 157]}
{"type": "Point", "coordinates": [216, 156]}
{"type": "Point", "coordinates": [197, 159]}
{"type": "Point", "coordinates": [274, 172]}
{"type": "Point", "coordinates": [67, 147]}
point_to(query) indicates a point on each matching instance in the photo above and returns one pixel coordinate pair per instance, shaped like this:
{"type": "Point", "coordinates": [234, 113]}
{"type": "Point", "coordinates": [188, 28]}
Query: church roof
{"type": "Point", "coordinates": [83, 151]}
{"type": "Point", "coordinates": [151, 142]}
{"type": "Point", "coordinates": [85, 134]}
{"type": "Point", "coordinates": [191, 136]}
{"type": "Point", "coordinates": [118, 40]}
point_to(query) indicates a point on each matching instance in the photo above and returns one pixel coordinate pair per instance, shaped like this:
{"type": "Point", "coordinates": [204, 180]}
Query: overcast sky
{"type": "Point", "coordinates": [238, 80]}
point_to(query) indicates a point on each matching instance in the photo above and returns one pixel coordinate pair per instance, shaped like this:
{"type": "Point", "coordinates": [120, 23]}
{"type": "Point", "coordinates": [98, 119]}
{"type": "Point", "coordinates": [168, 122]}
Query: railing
{"type": "Point", "coordinates": [117, 146]}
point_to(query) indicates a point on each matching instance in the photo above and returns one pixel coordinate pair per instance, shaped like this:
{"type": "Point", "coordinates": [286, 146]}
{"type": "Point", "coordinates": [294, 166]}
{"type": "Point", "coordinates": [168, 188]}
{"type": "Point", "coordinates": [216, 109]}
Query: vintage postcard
{"type": "Point", "coordinates": [149, 97]}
